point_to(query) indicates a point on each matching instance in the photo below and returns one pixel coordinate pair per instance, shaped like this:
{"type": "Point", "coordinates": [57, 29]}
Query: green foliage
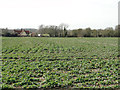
{"type": "Point", "coordinates": [59, 62]}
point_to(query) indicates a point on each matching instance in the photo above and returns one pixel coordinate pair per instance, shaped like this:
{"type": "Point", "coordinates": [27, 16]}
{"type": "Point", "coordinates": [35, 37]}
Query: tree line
{"type": "Point", "coordinates": [61, 31]}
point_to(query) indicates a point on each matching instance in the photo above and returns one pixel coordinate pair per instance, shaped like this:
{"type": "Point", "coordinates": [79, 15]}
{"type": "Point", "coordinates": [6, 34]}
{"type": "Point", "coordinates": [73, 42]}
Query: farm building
{"type": "Point", "coordinates": [22, 32]}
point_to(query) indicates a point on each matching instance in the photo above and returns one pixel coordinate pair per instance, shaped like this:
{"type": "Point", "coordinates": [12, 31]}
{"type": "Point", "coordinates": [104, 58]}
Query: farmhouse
{"type": "Point", "coordinates": [22, 32]}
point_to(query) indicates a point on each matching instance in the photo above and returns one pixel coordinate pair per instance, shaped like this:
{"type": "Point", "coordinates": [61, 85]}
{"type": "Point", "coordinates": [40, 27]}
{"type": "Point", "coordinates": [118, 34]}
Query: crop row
{"type": "Point", "coordinates": [60, 62]}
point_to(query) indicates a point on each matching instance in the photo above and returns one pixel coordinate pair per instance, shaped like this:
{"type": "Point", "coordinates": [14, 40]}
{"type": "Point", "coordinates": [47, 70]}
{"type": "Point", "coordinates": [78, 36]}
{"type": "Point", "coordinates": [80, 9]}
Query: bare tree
{"type": "Point", "coordinates": [63, 25]}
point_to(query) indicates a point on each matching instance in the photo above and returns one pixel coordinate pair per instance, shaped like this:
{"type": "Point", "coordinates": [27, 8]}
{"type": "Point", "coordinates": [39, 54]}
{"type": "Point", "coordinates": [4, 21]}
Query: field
{"type": "Point", "coordinates": [32, 62]}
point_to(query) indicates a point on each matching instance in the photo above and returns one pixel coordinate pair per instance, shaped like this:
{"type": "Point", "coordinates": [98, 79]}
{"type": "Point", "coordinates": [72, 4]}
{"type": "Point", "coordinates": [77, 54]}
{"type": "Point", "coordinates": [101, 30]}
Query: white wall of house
{"type": "Point", "coordinates": [39, 35]}
{"type": "Point", "coordinates": [23, 33]}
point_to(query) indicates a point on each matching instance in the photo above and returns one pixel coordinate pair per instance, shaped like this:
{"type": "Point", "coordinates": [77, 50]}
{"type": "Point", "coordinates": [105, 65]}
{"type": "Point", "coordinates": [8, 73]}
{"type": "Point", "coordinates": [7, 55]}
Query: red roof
{"type": "Point", "coordinates": [27, 32]}
{"type": "Point", "coordinates": [19, 31]}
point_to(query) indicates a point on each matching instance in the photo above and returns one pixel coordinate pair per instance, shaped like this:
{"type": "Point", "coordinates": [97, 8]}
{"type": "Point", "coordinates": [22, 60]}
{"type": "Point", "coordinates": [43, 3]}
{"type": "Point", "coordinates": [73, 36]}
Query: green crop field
{"type": "Point", "coordinates": [42, 62]}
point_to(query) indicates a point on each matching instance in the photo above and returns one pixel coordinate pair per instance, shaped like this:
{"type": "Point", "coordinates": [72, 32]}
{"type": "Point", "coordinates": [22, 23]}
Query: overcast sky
{"type": "Point", "coordinates": [76, 13]}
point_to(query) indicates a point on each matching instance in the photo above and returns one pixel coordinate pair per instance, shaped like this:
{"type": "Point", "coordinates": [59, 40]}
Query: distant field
{"type": "Point", "coordinates": [32, 62]}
